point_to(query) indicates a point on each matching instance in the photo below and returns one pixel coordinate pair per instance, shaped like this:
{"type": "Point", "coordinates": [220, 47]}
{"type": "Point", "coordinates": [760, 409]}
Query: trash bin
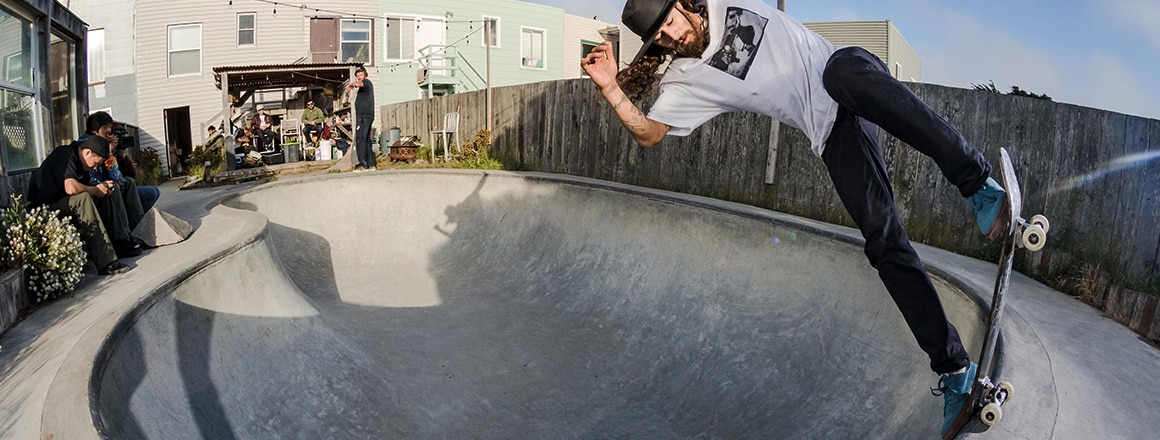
{"type": "Point", "coordinates": [396, 133]}
{"type": "Point", "coordinates": [290, 151]}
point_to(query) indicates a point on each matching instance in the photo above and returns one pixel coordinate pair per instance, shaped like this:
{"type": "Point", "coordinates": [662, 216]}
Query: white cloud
{"type": "Point", "coordinates": [1104, 82]}
{"type": "Point", "coordinates": [1141, 16]}
{"type": "Point", "coordinates": [976, 53]}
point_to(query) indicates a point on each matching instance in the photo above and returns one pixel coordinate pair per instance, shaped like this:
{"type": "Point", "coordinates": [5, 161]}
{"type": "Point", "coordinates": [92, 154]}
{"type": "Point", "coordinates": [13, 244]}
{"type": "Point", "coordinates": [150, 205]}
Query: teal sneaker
{"type": "Point", "coordinates": [954, 388]}
{"type": "Point", "coordinates": [988, 203]}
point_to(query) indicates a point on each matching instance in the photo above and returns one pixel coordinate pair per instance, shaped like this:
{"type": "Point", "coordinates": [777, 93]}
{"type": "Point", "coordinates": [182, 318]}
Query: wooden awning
{"type": "Point", "coordinates": [243, 79]}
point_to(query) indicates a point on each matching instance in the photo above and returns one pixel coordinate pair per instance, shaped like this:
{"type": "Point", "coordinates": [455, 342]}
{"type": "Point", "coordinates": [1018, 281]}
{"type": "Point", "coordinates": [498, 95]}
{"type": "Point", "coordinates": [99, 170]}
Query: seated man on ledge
{"type": "Point", "coordinates": [61, 186]}
{"type": "Point", "coordinates": [124, 211]}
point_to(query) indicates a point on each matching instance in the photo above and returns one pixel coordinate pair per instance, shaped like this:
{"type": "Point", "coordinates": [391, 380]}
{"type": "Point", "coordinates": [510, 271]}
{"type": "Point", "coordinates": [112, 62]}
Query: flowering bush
{"type": "Point", "coordinates": [47, 247]}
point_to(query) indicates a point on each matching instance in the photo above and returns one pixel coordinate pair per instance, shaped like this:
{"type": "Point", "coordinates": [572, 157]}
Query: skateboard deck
{"type": "Point", "coordinates": [987, 398]}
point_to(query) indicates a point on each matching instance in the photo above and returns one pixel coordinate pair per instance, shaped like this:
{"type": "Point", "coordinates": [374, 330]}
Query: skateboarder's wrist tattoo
{"type": "Point", "coordinates": [623, 98]}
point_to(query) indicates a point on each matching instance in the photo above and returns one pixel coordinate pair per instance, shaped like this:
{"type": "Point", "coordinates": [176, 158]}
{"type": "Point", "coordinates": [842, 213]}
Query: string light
{"type": "Point", "coordinates": [305, 7]}
{"type": "Point", "coordinates": [418, 21]}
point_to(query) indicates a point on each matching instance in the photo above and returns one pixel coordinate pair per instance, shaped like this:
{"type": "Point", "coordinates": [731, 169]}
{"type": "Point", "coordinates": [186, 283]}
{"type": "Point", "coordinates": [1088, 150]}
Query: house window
{"type": "Point", "coordinates": [246, 28]}
{"type": "Point", "coordinates": [407, 36]}
{"type": "Point", "coordinates": [96, 55]}
{"type": "Point", "coordinates": [62, 82]}
{"type": "Point", "coordinates": [14, 68]}
{"type": "Point", "coordinates": [495, 33]}
{"type": "Point", "coordinates": [532, 48]}
{"type": "Point", "coordinates": [184, 49]}
{"type": "Point", "coordinates": [355, 41]}
{"type": "Point", "coordinates": [21, 115]}
{"type": "Point", "coordinates": [586, 47]}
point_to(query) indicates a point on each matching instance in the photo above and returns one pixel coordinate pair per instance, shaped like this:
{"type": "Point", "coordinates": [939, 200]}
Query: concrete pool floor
{"type": "Point", "coordinates": [1077, 374]}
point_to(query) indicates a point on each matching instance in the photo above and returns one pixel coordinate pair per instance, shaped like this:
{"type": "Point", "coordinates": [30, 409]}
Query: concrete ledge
{"type": "Point", "coordinates": [13, 298]}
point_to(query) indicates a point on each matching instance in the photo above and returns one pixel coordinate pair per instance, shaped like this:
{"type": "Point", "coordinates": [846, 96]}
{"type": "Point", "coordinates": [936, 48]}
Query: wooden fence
{"type": "Point", "coordinates": [1094, 173]}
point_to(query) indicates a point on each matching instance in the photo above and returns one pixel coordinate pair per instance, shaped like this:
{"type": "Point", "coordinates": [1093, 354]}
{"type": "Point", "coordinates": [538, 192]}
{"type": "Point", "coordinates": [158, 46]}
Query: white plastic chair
{"type": "Point", "coordinates": [290, 131]}
{"type": "Point", "coordinates": [450, 127]}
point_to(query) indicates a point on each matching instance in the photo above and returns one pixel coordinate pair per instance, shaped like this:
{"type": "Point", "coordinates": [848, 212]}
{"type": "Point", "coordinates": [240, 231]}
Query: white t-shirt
{"type": "Point", "coordinates": [760, 60]}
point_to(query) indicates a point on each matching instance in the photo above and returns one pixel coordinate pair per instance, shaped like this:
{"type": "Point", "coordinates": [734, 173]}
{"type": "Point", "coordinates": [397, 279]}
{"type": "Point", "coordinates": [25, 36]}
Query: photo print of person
{"type": "Point", "coordinates": [743, 32]}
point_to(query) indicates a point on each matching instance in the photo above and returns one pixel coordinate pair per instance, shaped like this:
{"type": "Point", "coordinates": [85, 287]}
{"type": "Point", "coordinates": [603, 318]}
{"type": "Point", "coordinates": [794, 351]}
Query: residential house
{"type": "Point", "coordinates": [153, 62]}
{"type": "Point", "coordinates": [880, 38]}
{"type": "Point", "coordinates": [41, 64]}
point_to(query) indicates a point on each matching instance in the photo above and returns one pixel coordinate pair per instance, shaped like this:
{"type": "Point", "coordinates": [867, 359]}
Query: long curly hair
{"type": "Point", "coordinates": [641, 77]}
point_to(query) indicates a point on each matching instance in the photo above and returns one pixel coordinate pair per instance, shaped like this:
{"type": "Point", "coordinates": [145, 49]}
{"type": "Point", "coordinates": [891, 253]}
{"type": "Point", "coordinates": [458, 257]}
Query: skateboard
{"type": "Point", "coordinates": [987, 398]}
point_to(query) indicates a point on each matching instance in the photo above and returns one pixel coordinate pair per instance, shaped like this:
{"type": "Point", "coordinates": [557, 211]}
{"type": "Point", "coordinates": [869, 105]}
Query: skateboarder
{"type": "Point", "coordinates": [744, 55]}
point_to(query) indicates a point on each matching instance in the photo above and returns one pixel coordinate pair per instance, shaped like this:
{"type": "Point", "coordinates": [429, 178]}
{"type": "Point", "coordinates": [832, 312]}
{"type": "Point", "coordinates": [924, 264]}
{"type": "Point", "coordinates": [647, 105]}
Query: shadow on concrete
{"type": "Point", "coordinates": [463, 305]}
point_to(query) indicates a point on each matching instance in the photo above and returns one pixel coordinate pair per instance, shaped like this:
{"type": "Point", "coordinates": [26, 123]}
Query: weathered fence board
{"type": "Point", "coordinates": [1096, 174]}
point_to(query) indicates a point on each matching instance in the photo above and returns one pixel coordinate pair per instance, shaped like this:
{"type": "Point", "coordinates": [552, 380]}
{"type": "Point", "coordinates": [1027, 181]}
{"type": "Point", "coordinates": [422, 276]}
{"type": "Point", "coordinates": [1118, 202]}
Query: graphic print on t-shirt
{"type": "Point", "coordinates": [743, 32]}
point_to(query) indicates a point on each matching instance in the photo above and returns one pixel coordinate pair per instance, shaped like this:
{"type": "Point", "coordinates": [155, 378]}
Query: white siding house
{"type": "Point", "coordinates": [156, 58]}
{"type": "Point", "coordinates": [580, 36]}
{"type": "Point", "coordinates": [881, 38]}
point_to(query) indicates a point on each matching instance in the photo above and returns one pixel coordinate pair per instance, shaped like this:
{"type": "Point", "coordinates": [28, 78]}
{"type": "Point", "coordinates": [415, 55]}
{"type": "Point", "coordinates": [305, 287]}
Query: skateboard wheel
{"type": "Point", "coordinates": [991, 414]}
{"type": "Point", "coordinates": [1041, 221]}
{"type": "Point", "coordinates": [1006, 391]}
{"type": "Point", "coordinates": [1034, 238]}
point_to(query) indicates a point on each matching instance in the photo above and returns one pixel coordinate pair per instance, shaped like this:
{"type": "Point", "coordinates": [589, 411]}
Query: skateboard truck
{"type": "Point", "coordinates": [993, 399]}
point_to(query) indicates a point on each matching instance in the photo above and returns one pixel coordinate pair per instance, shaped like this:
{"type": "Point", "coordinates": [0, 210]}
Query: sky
{"type": "Point", "coordinates": [1093, 53]}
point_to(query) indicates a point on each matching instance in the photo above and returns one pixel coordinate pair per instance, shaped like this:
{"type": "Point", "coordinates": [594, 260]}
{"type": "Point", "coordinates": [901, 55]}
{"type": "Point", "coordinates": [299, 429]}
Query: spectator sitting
{"type": "Point", "coordinates": [62, 185]}
{"type": "Point", "coordinates": [262, 126]}
{"type": "Point", "coordinates": [312, 119]}
{"type": "Point", "coordinates": [214, 141]}
{"type": "Point", "coordinates": [242, 143]}
{"type": "Point", "coordinates": [122, 212]}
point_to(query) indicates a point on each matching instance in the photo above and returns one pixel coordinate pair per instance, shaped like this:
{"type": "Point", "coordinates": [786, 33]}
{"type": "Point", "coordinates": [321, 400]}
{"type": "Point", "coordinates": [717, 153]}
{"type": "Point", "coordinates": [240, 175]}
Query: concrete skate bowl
{"type": "Point", "coordinates": [502, 305]}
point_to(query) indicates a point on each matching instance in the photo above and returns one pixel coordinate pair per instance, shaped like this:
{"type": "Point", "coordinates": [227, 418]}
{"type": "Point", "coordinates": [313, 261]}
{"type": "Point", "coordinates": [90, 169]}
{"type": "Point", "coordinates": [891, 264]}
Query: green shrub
{"type": "Point", "coordinates": [200, 156]}
{"type": "Point", "coordinates": [149, 169]}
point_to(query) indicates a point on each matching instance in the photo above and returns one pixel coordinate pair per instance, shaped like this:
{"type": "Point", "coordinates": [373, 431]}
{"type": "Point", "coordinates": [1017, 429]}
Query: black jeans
{"type": "Point", "coordinates": [362, 146]}
{"type": "Point", "coordinates": [868, 98]}
{"type": "Point", "coordinates": [121, 210]}
{"type": "Point", "coordinates": [311, 131]}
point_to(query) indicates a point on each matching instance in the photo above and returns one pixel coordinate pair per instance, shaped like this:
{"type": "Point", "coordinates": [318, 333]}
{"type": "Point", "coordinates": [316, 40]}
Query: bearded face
{"type": "Point", "coordinates": [693, 45]}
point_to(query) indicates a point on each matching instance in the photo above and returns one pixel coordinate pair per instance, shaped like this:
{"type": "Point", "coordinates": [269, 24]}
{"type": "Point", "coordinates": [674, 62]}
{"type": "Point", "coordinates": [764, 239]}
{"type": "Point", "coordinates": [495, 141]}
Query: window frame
{"type": "Point", "coordinates": [169, 49]}
{"type": "Point", "coordinates": [90, 57]}
{"type": "Point", "coordinates": [8, 62]}
{"type": "Point", "coordinates": [416, 20]}
{"type": "Point", "coordinates": [583, 53]}
{"type": "Point", "coordinates": [543, 47]}
{"type": "Point", "coordinates": [38, 115]}
{"type": "Point", "coordinates": [253, 30]}
{"type": "Point", "coordinates": [61, 131]}
{"type": "Point", "coordinates": [370, 42]}
{"type": "Point", "coordinates": [497, 44]}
